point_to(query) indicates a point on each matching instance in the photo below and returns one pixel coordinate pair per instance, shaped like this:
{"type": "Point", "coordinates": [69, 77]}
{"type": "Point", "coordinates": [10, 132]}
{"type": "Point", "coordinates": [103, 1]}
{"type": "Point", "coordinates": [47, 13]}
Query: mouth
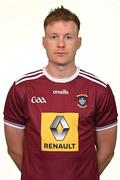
{"type": "Point", "coordinates": [61, 53]}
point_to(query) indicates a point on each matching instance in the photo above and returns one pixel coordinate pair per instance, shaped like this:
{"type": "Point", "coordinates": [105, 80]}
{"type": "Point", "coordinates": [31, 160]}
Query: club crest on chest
{"type": "Point", "coordinates": [82, 100]}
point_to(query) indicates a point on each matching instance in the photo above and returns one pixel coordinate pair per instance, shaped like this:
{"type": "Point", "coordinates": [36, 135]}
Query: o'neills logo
{"type": "Point", "coordinates": [64, 91]}
{"type": "Point", "coordinates": [59, 132]}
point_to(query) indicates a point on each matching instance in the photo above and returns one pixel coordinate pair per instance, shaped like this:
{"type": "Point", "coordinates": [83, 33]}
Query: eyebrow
{"type": "Point", "coordinates": [58, 34]}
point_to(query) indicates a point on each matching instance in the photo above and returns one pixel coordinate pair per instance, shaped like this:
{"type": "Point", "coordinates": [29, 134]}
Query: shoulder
{"type": "Point", "coordinates": [31, 76]}
{"type": "Point", "coordinates": [92, 79]}
{"type": "Point", "coordinates": [97, 87]}
{"type": "Point", "coordinates": [22, 84]}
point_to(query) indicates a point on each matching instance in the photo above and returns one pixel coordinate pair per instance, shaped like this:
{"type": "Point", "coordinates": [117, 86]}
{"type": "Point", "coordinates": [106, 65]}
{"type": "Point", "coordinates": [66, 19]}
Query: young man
{"type": "Point", "coordinates": [60, 121]}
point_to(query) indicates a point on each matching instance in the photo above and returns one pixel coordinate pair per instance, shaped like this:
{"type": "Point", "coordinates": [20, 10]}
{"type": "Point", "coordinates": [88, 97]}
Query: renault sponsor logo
{"type": "Point", "coordinates": [59, 146]}
{"type": "Point", "coordinates": [62, 92]}
{"type": "Point", "coordinates": [59, 134]}
{"type": "Point", "coordinates": [38, 100]}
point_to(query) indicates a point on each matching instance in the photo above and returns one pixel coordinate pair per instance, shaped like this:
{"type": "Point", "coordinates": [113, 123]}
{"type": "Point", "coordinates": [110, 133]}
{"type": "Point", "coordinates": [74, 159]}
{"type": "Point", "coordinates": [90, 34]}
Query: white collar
{"type": "Point", "coordinates": [63, 80]}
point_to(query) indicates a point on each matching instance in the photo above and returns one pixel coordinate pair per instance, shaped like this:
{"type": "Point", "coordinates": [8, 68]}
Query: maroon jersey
{"type": "Point", "coordinates": [60, 118]}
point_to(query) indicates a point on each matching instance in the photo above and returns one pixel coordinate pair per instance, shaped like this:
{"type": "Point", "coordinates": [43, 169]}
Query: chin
{"type": "Point", "coordinates": [62, 63]}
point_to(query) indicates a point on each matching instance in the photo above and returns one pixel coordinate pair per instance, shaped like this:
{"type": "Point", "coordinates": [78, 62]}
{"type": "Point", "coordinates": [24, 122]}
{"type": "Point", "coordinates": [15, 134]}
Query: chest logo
{"type": "Point", "coordinates": [38, 100]}
{"type": "Point", "coordinates": [61, 92]}
{"type": "Point", "coordinates": [82, 100]}
{"type": "Point", "coordinates": [59, 128]}
{"type": "Point", "coordinates": [59, 132]}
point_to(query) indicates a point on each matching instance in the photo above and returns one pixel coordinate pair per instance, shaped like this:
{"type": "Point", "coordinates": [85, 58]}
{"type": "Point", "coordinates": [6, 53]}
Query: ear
{"type": "Point", "coordinates": [43, 42]}
{"type": "Point", "coordinates": [79, 42]}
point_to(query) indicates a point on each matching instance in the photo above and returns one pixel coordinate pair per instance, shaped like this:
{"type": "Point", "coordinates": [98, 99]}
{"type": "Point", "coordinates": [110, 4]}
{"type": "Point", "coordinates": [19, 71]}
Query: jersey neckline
{"type": "Point", "coordinates": [61, 80]}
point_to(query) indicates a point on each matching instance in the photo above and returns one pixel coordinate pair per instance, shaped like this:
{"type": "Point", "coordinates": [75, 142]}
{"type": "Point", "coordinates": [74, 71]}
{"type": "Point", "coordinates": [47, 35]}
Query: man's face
{"type": "Point", "coordinates": [61, 42]}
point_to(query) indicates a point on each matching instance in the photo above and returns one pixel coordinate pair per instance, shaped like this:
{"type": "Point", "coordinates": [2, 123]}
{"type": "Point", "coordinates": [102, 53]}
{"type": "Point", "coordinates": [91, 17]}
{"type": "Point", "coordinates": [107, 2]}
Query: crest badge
{"type": "Point", "coordinates": [82, 100]}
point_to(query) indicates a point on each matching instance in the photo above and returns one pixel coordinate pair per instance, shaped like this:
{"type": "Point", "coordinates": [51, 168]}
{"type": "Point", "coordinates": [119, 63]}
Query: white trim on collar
{"type": "Point", "coordinates": [63, 80]}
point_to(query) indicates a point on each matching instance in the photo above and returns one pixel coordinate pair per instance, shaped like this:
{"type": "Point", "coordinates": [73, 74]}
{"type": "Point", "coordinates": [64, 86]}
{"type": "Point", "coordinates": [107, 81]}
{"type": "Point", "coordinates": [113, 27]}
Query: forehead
{"type": "Point", "coordinates": [61, 27]}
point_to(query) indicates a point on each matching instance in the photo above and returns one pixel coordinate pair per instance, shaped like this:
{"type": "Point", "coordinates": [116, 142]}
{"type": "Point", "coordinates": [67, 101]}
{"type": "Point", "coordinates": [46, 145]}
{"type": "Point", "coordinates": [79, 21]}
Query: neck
{"type": "Point", "coordinates": [60, 72]}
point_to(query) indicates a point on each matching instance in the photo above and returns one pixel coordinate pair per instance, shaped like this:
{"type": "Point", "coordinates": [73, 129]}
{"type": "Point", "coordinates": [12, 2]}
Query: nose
{"type": "Point", "coordinates": [61, 43]}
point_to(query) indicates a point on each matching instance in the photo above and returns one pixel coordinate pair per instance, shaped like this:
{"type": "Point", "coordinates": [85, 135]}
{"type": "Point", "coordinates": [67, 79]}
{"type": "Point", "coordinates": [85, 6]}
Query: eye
{"type": "Point", "coordinates": [68, 37]}
{"type": "Point", "coordinates": [54, 37]}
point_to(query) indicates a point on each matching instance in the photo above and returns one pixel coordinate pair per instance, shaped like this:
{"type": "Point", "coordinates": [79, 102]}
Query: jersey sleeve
{"type": "Point", "coordinates": [106, 112]}
{"type": "Point", "coordinates": [13, 109]}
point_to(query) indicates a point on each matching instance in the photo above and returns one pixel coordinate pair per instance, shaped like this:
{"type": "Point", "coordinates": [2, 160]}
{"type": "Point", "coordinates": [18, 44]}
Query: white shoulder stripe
{"type": "Point", "coordinates": [106, 127]}
{"type": "Point", "coordinates": [92, 76]}
{"type": "Point", "coordinates": [28, 78]}
{"type": "Point", "coordinates": [94, 80]}
{"type": "Point", "coordinates": [33, 73]}
{"type": "Point", "coordinates": [30, 74]}
{"type": "Point", "coordinates": [14, 125]}
{"type": "Point", "coordinates": [89, 74]}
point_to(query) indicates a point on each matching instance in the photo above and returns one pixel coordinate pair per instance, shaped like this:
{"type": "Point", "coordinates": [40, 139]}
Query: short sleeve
{"type": "Point", "coordinates": [106, 111]}
{"type": "Point", "coordinates": [13, 109]}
